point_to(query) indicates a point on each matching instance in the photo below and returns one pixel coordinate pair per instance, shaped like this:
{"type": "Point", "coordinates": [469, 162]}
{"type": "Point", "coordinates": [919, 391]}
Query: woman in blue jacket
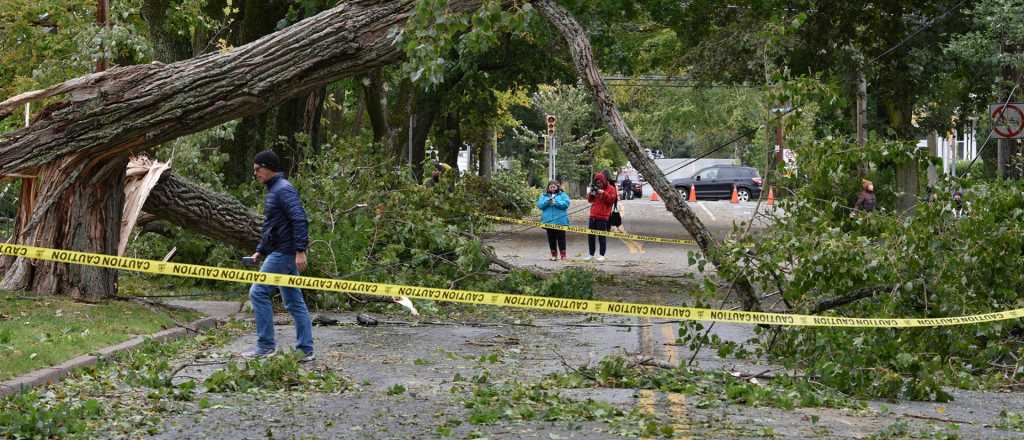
{"type": "Point", "coordinates": [554, 206]}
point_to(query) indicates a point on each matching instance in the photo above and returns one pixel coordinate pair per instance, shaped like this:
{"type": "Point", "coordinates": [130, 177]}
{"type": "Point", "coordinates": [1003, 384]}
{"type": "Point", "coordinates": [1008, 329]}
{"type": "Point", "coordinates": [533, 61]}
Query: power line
{"type": "Point", "coordinates": [926, 26]}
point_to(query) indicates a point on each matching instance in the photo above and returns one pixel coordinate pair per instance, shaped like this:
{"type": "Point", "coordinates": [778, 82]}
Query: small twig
{"type": "Point", "coordinates": [651, 362]}
{"type": "Point", "coordinates": [565, 362]}
{"type": "Point", "coordinates": [937, 419]}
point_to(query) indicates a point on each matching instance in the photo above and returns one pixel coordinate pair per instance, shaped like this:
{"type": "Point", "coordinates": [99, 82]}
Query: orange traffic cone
{"type": "Point", "coordinates": [693, 194]}
{"type": "Point", "coordinates": [654, 196]}
{"type": "Point", "coordinates": [735, 197]}
{"type": "Point", "coordinates": [771, 196]}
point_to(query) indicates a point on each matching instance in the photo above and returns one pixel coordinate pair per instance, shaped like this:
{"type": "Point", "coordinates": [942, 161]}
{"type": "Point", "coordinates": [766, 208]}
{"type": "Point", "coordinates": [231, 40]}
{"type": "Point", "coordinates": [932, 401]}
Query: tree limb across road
{"type": "Point", "coordinates": [133, 108]}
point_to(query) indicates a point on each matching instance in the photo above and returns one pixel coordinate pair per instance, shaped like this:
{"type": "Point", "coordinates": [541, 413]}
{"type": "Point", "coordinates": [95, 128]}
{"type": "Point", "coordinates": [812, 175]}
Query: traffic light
{"type": "Point", "coordinates": [551, 124]}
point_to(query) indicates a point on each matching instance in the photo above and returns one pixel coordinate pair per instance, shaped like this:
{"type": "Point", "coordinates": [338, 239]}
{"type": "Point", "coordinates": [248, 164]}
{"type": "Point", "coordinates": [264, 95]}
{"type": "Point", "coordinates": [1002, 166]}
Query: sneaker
{"type": "Point", "coordinates": [553, 258]}
{"type": "Point", "coordinates": [563, 256]}
{"type": "Point", "coordinates": [259, 353]}
{"type": "Point", "coordinates": [308, 358]}
{"type": "Point", "coordinates": [600, 258]}
{"type": "Point", "coordinates": [588, 258]}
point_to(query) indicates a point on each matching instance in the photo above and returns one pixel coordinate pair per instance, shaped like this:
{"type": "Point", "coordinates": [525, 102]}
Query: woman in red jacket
{"type": "Point", "coordinates": [602, 197]}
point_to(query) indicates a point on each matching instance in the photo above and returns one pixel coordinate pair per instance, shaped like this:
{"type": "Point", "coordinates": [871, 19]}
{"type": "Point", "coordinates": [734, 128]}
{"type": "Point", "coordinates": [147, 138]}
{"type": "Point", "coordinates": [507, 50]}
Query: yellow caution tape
{"type": "Point", "coordinates": [488, 298]}
{"type": "Point", "coordinates": [582, 230]}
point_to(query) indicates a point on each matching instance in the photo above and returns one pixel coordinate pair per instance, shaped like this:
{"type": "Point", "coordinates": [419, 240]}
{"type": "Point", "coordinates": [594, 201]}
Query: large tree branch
{"type": "Point", "coordinates": [198, 209]}
{"type": "Point", "coordinates": [137, 107]}
{"type": "Point", "coordinates": [583, 58]}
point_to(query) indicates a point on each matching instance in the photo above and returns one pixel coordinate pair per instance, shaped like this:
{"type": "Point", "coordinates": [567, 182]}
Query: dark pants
{"type": "Point", "coordinates": [600, 225]}
{"type": "Point", "coordinates": [556, 240]}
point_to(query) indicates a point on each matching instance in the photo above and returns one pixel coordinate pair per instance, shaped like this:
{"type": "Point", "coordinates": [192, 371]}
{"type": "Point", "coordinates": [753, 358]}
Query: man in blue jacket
{"type": "Point", "coordinates": [283, 242]}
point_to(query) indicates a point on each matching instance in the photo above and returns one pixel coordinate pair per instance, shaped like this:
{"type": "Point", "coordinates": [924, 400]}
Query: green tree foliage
{"type": "Point", "coordinates": [47, 42]}
{"type": "Point", "coordinates": [931, 264]}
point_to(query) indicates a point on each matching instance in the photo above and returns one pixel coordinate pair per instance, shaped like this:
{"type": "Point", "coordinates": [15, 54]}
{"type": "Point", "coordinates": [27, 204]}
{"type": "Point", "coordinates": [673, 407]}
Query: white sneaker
{"type": "Point", "coordinates": [553, 258]}
{"type": "Point", "coordinates": [600, 258]}
{"type": "Point", "coordinates": [258, 353]}
{"type": "Point", "coordinates": [588, 258]}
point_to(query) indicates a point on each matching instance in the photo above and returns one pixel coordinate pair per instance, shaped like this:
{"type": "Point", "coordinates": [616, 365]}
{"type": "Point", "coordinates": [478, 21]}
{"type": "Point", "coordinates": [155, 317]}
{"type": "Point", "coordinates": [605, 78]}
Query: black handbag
{"type": "Point", "coordinates": [615, 219]}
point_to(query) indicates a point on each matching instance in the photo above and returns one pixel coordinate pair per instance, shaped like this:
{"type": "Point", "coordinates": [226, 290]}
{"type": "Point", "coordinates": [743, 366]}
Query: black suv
{"type": "Point", "coordinates": [715, 182]}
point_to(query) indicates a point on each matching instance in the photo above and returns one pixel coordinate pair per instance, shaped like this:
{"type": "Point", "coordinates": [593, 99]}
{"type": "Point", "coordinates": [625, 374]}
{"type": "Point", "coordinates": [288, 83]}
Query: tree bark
{"type": "Point", "coordinates": [80, 200]}
{"type": "Point", "coordinates": [289, 120]}
{"type": "Point", "coordinates": [452, 140]}
{"type": "Point", "coordinates": [312, 124]}
{"type": "Point", "coordinates": [427, 106]}
{"type": "Point", "coordinates": [582, 57]}
{"type": "Point", "coordinates": [137, 107]}
{"type": "Point", "coordinates": [487, 153]}
{"type": "Point", "coordinates": [168, 46]}
{"type": "Point", "coordinates": [203, 211]}
{"type": "Point", "coordinates": [376, 104]}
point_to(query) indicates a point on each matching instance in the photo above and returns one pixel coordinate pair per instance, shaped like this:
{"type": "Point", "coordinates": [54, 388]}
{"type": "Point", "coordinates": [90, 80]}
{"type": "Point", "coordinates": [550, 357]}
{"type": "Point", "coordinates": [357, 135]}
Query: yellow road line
{"type": "Point", "coordinates": [646, 404]}
{"type": "Point", "coordinates": [668, 336]}
{"type": "Point", "coordinates": [677, 408]}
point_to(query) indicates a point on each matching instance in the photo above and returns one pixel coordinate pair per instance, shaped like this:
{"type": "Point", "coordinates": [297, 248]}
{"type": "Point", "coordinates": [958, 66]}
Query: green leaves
{"type": "Point", "coordinates": [928, 264]}
{"type": "Point", "coordinates": [27, 416]}
{"type": "Point", "coordinates": [435, 37]}
{"type": "Point", "coordinates": [280, 372]}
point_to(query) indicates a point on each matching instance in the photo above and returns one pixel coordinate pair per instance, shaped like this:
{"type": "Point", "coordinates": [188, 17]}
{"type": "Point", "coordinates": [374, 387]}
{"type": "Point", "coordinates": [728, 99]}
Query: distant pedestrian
{"type": "Point", "coordinates": [627, 188]}
{"type": "Point", "coordinates": [866, 199]}
{"type": "Point", "coordinates": [959, 206]}
{"type": "Point", "coordinates": [554, 206]}
{"type": "Point", "coordinates": [602, 196]}
{"type": "Point", "coordinates": [283, 242]}
{"type": "Point", "coordinates": [440, 170]}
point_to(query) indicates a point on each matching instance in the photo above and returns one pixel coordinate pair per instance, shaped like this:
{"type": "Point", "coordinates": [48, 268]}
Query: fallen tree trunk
{"type": "Point", "coordinates": [78, 147]}
{"type": "Point", "coordinates": [205, 212]}
{"type": "Point", "coordinates": [137, 107]}
{"type": "Point", "coordinates": [583, 58]}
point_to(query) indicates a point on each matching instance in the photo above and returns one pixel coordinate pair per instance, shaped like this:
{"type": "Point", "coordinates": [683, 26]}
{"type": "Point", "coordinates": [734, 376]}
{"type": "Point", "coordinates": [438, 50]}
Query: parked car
{"type": "Point", "coordinates": [715, 182]}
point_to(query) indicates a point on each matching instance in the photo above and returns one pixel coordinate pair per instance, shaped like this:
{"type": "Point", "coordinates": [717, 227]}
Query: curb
{"type": "Point", "coordinates": [54, 374]}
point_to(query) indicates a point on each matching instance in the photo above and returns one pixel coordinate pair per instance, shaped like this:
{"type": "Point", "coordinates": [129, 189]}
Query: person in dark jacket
{"type": "Point", "coordinates": [602, 196]}
{"type": "Point", "coordinates": [866, 199]}
{"type": "Point", "coordinates": [283, 242]}
{"type": "Point", "coordinates": [627, 188]}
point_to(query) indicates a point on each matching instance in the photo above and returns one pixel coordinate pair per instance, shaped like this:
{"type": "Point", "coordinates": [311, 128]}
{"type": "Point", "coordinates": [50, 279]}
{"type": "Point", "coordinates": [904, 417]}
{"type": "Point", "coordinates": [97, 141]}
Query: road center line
{"type": "Point", "coordinates": [646, 403]}
{"type": "Point", "coordinates": [677, 408]}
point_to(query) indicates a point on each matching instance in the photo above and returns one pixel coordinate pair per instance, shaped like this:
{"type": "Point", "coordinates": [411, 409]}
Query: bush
{"type": "Point", "coordinates": [506, 194]}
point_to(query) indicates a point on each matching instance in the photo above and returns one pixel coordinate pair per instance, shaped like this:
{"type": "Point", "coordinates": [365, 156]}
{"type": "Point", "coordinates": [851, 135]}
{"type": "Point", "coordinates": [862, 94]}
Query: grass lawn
{"type": "Point", "coordinates": [42, 331]}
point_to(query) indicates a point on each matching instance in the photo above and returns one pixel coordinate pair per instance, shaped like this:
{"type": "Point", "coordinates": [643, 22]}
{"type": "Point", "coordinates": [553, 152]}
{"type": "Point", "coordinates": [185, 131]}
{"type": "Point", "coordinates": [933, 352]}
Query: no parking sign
{"type": "Point", "coordinates": [1007, 120]}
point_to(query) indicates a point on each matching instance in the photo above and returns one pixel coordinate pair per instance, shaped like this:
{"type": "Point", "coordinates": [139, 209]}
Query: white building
{"type": "Point", "coordinates": [957, 145]}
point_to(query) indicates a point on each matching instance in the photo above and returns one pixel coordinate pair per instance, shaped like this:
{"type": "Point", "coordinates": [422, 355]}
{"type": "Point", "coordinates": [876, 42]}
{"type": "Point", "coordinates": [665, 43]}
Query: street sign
{"type": "Point", "coordinates": [1007, 120]}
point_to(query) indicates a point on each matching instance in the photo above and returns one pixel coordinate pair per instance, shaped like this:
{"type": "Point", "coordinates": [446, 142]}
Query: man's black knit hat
{"type": "Point", "coordinates": [268, 159]}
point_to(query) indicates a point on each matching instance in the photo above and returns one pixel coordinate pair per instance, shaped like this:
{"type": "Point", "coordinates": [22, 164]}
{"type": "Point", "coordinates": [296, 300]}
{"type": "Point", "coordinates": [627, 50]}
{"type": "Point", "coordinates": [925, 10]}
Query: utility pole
{"type": "Point", "coordinates": [862, 116]}
{"type": "Point", "coordinates": [552, 147]}
{"type": "Point", "coordinates": [954, 146]}
{"type": "Point", "coordinates": [102, 13]}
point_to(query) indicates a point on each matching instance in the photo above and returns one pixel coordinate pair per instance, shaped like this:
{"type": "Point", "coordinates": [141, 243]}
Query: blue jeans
{"type": "Point", "coordinates": [260, 294]}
